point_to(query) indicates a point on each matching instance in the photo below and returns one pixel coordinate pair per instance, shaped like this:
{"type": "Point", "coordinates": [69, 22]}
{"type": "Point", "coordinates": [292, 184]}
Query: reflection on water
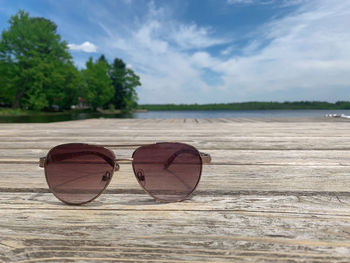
{"type": "Point", "coordinates": [175, 115]}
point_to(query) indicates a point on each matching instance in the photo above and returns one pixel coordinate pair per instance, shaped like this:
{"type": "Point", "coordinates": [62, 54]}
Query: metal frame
{"type": "Point", "coordinates": [205, 159]}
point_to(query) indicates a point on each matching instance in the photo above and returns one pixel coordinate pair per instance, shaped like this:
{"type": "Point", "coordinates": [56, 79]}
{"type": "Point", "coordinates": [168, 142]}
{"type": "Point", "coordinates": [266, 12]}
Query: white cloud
{"type": "Point", "coordinates": [194, 37]}
{"type": "Point", "coordinates": [227, 51]}
{"type": "Point", "coordinates": [307, 52]}
{"type": "Point", "coordinates": [87, 47]}
{"type": "Point", "coordinates": [148, 37]}
{"type": "Point", "coordinates": [280, 3]}
{"type": "Point", "coordinates": [159, 55]}
{"type": "Point", "coordinates": [303, 56]}
{"type": "Point", "coordinates": [203, 60]}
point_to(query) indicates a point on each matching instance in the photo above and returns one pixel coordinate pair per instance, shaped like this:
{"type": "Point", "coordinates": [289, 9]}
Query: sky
{"type": "Point", "coordinates": [211, 51]}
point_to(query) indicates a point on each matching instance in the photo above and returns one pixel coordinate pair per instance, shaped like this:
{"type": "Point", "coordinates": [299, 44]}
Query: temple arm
{"type": "Point", "coordinates": [204, 156]}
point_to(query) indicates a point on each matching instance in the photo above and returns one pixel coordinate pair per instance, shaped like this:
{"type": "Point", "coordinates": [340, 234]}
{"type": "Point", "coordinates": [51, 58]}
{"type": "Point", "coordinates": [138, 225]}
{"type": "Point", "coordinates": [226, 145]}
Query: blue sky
{"type": "Point", "coordinates": [211, 51]}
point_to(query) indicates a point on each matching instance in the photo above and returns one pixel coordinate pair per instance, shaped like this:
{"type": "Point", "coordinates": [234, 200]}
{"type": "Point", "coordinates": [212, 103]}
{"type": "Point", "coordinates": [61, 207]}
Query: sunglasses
{"type": "Point", "coordinates": [78, 173]}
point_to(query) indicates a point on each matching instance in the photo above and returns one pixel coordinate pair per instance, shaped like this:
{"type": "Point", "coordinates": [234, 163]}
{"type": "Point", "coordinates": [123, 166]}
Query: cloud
{"type": "Point", "coordinates": [307, 53]}
{"type": "Point", "coordinates": [194, 37]}
{"type": "Point", "coordinates": [300, 56]}
{"type": "Point", "coordinates": [162, 57]}
{"type": "Point", "coordinates": [279, 3]}
{"type": "Point", "coordinates": [227, 51]}
{"type": "Point", "coordinates": [87, 47]}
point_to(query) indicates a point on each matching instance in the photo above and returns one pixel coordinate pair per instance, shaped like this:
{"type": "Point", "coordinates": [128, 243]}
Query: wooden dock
{"type": "Point", "coordinates": [277, 190]}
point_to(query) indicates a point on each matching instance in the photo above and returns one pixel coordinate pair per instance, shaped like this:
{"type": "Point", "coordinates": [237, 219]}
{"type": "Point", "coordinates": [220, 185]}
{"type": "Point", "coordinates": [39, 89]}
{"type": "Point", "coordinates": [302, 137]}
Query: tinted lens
{"type": "Point", "coordinates": [168, 171]}
{"type": "Point", "coordinates": [77, 173]}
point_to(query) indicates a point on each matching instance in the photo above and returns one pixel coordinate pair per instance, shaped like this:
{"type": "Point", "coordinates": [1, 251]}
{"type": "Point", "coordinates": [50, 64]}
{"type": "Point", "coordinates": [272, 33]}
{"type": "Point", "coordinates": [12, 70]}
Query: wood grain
{"type": "Point", "coordinates": [277, 190]}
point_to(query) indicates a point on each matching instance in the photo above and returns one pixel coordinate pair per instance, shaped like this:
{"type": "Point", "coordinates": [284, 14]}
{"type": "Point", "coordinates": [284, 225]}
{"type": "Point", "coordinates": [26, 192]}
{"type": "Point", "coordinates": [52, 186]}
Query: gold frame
{"type": "Point", "coordinates": [205, 159]}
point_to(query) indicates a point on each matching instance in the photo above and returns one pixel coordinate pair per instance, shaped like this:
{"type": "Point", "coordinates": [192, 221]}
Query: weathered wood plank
{"type": "Point", "coordinates": [277, 190]}
{"type": "Point", "coordinates": [220, 179]}
{"type": "Point", "coordinates": [214, 227]}
{"type": "Point", "coordinates": [218, 142]}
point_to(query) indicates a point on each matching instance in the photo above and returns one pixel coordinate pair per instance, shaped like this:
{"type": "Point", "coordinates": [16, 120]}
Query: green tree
{"type": "Point", "coordinates": [98, 86]}
{"type": "Point", "coordinates": [40, 70]}
{"type": "Point", "coordinates": [124, 82]}
{"type": "Point", "coordinates": [7, 77]}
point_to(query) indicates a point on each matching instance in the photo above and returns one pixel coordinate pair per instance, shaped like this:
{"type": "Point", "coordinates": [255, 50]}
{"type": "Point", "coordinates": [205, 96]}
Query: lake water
{"type": "Point", "coordinates": [178, 115]}
{"type": "Point", "coordinates": [238, 114]}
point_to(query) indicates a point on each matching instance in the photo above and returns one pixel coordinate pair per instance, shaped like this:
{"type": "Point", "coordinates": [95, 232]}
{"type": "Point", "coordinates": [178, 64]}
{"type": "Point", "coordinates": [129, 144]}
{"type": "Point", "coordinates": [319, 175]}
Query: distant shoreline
{"type": "Point", "coordinates": [41, 117]}
{"type": "Point", "coordinates": [242, 106]}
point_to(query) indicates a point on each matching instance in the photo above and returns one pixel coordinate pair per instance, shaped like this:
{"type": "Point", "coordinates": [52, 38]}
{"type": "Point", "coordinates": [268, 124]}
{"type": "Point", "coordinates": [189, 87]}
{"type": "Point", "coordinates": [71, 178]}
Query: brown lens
{"type": "Point", "coordinates": [78, 173]}
{"type": "Point", "coordinates": [168, 171]}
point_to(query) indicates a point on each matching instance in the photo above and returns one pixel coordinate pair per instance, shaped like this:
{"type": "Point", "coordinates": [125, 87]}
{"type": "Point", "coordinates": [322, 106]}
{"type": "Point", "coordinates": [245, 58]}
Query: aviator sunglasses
{"type": "Point", "coordinates": [77, 173]}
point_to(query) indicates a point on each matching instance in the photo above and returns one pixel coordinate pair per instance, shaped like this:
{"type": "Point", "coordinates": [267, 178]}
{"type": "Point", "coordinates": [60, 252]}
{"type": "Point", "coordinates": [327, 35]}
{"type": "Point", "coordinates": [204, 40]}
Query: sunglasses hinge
{"type": "Point", "coordinates": [206, 158]}
{"type": "Point", "coordinates": [42, 161]}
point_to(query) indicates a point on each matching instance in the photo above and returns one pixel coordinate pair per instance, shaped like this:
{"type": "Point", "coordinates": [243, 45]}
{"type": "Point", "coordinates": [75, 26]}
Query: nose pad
{"type": "Point", "coordinates": [107, 176]}
{"type": "Point", "coordinates": [141, 177]}
{"type": "Point", "coordinates": [116, 167]}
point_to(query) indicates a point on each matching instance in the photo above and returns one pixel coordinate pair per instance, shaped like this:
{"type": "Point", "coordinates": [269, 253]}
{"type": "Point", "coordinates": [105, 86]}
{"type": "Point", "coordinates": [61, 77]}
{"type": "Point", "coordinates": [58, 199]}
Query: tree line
{"type": "Point", "coordinates": [254, 105]}
{"type": "Point", "coordinates": [37, 71]}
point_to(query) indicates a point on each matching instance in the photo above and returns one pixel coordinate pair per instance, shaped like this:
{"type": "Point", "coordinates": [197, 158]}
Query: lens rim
{"type": "Point", "coordinates": [85, 144]}
{"type": "Point", "coordinates": [164, 200]}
